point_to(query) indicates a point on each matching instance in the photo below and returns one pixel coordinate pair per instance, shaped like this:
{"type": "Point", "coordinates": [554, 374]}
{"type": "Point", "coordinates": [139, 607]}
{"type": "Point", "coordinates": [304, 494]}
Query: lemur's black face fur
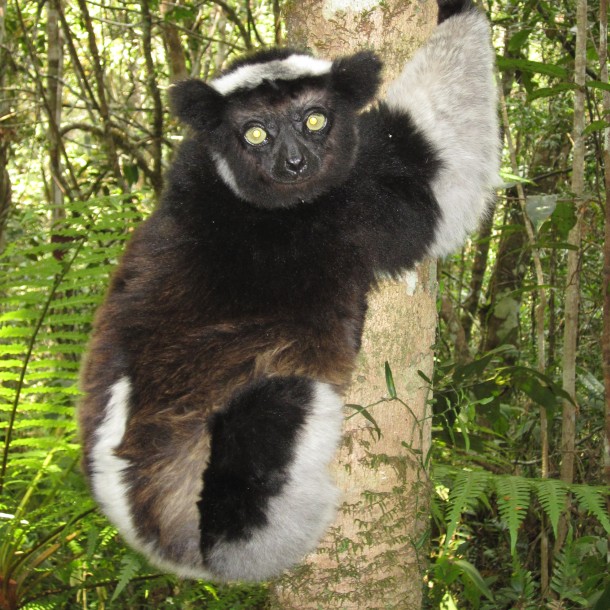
{"type": "Point", "coordinates": [290, 150]}
{"type": "Point", "coordinates": [283, 142]}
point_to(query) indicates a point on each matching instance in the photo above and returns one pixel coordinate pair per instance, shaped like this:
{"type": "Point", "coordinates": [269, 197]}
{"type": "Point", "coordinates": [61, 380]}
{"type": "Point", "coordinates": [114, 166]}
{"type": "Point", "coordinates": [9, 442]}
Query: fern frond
{"type": "Point", "coordinates": [566, 580]}
{"type": "Point", "coordinates": [593, 500]}
{"type": "Point", "coordinates": [130, 564]}
{"type": "Point", "coordinates": [47, 303]}
{"type": "Point", "coordinates": [513, 496]}
{"type": "Point", "coordinates": [551, 494]}
{"type": "Point", "coordinates": [467, 490]}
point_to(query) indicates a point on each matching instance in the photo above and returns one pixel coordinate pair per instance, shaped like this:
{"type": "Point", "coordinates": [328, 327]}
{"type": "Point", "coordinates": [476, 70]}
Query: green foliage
{"type": "Point", "coordinates": [593, 500]}
{"type": "Point", "coordinates": [512, 494]}
{"type": "Point", "coordinates": [551, 494]}
{"type": "Point", "coordinates": [580, 571]}
{"type": "Point", "coordinates": [468, 488]}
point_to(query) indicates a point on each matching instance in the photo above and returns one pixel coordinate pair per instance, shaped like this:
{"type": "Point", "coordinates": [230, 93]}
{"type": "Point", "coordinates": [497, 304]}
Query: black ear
{"type": "Point", "coordinates": [196, 104]}
{"type": "Point", "coordinates": [357, 77]}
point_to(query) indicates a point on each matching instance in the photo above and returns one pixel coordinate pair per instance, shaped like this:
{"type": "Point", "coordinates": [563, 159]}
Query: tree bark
{"type": "Point", "coordinates": [5, 129]}
{"type": "Point", "coordinates": [151, 82]}
{"type": "Point", "coordinates": [175, 51]}
{"type": "Point", "coordinates": [373, 556]}
{"type": "Point", "coordinates": [479, 267]}
{"type": "Point", "coordinates": [603, 58]}
{"type": "Point", "coordinates": [572, 292]}
{"type": "Point", "coordinates": [54, 96]}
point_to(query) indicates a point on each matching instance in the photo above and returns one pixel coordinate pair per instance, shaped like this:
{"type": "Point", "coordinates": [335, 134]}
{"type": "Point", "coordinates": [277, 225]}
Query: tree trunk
{"type": "Point", "coordinates": [176, 57]}
{"type": "Point", "coordinates": [373, 556]}
{"type": "Point", "coordinates": [5, 129]}
{"type": "Point", "coordinates": [479, 267]}
{"type": "Point", "coordinates": [603, 58]}
{"type": "Point", "coordinates": [54, 96]}
{"type": "Point", "coordinates": [500, 325]}
{"type": "Point", "coordinates": [155, 94]}
{"type": "Point", "coordinates": [572, 293]}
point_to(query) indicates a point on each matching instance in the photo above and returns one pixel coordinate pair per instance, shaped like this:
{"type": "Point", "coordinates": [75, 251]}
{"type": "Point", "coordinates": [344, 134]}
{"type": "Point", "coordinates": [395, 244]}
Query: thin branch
{"type": "Point", "coordinates": [98, 72]}
{"type": "Point", "coordinates": [41, 92]}
{"type": "Point", "coordinates": [151, 81]}
{"type": "Point", "coordinates": [232, 16]}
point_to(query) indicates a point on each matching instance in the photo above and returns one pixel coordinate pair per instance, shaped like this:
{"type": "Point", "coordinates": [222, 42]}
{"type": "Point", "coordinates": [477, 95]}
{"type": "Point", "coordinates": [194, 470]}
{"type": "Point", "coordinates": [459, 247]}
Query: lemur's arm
{"type": "Point", "coordinates": [448, 89]}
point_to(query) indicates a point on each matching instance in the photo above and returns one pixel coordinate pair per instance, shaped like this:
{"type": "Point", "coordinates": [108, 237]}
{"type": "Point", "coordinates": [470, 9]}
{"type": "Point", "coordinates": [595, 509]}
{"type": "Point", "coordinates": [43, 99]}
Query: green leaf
{"type": "Point", "coordinates": [365, 413]}
{"type": "Point", "coordinates": [595, 84]}
{"type": "Point", "coordinates": [593, 500]}
{"type": "Point", "coordinates": [424, 376]}
{"type": "Point", "coordinates": [603, 603]}
{"type": "Point", "coordinates": [130, 564]}
{"type": "Point", "coordinates": [518, 39]}
{"type": "Point", "coordinates": [513, 495]}
{"type": "Point", "coordinates": [543, 92]}
{"type": "Point", "coordinates": [596, 126]}
{"type": "Point", "coordinates": [540, 207]}
{"type": "Point", "coordinates": [564, 218]}
{"type": "Point", "coordinates": [389, 381]}
{"type": "Point", "coordinates": [468, 488]}
{"type": "Point", "coordinates": [533, 67]}
{"type": "Point", "coordinates": [552, 496]}
{"type": "Point", "coordinates": [510, 179]}
{"type": "Point", "coordinates": [475, 577]}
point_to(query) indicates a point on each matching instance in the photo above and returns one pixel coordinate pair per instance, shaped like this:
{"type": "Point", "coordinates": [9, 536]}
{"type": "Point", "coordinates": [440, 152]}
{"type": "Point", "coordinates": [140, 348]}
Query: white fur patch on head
{"type": "Point", "coordinates": [306, 506]}
{"type": "Point", "coordinates": [250, 76]}
{"type": "Point", "coordinates": [449, 90]}
{"type": "Point", "coordinates": [110, 489]}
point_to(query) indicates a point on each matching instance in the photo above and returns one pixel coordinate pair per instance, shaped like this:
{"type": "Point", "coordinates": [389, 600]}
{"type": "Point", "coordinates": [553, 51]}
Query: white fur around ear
{"type": "Point", "coordinates": [449, 90]}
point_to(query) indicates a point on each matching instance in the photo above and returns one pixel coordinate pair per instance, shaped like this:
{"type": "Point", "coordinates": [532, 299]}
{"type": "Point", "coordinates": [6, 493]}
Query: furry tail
{"type": "Point", "coordinates": [267, 496]}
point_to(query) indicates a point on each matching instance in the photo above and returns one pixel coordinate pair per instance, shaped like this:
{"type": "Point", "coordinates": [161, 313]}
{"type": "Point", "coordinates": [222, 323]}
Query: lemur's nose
{"type": "Point", "coordinates": [295, 163]}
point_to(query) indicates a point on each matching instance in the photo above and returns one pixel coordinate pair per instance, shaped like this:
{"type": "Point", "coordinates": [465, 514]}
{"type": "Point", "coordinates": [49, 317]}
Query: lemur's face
{"type": "Point", "coordinates": [285, 149]}
{"type": "Point", "coordinates": [287, 142]}
{"type": "Point", "coordinates": [284, 130]}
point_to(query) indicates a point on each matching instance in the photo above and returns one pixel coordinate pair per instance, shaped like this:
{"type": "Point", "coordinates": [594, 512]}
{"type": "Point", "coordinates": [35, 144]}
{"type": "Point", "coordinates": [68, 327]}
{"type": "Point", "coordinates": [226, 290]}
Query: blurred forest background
{"type": "Point", "coordinates": [521, 429]}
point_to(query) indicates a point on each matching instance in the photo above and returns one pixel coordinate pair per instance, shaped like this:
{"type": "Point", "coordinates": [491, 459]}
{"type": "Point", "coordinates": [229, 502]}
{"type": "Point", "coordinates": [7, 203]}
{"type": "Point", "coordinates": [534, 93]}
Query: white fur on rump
{"type": "Point", "coordinates": [299, 515]}
{"type": "Point", "coordinates": [251, 76]}
{"type": "Point", "coordinates": [106, 467]}
{"type": "Point", "coordinates": [109, 486]}
{"type": "Point", "coordinates": [449, 90]}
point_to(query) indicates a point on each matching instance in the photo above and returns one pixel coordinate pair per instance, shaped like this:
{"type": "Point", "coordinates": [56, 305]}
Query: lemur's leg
{"type": "Point", "coordinates": [267, 495]}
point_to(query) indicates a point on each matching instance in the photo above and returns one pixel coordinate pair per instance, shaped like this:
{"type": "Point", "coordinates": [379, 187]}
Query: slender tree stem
{"type": "Point", "coordinates": [572, 292]}
{"type": "Point", "coordinates": [540, 339]}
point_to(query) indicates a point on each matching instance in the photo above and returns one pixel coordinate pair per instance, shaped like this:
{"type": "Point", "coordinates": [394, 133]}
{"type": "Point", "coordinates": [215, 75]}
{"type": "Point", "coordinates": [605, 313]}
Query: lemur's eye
{"type": "Point", "coordinates": [315, 121]}
{"type": "Point", "coordinates": [255, 136]}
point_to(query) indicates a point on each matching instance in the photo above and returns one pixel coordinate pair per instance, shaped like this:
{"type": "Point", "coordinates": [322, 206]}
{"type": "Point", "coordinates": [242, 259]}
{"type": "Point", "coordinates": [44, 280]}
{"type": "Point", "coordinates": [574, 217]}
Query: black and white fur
{"type": "Point", "coordinates": [231, 328]}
